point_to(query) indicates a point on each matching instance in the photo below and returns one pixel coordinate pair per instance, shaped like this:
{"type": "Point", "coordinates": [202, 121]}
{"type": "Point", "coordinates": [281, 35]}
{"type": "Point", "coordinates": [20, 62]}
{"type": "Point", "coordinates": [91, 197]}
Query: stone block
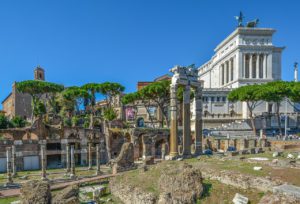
{"type": "Point", "coordinates": [240, 199]}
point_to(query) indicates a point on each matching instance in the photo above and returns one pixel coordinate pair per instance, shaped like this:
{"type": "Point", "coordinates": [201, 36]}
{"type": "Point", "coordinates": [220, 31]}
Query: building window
{"type": "Point", "coordinates": [218, 99]}
{"type": "Point", "coordinates": [224, 98]}
{"type": "Point", "coordinates": [212, 99]}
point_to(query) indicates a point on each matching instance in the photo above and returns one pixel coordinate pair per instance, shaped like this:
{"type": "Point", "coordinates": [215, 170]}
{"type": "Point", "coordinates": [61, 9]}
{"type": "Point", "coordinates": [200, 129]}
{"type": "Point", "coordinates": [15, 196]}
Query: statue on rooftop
{"type": "Point", "coordinates": [240, 19]}
{"type": "Point", "coordinates": [252, 24]}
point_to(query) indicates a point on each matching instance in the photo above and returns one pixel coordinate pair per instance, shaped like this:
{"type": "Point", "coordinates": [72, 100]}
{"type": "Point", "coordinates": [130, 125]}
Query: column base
{"type": "Point", "coordinates": [172, 156]}
{"type": "Point", "coordinates": [73, 176]}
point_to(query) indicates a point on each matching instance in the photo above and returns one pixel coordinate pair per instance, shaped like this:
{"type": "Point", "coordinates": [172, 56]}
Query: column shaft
{"type": "Point", "coordinates": [198, 121]}
{"type": "Point", "coordinates": [43, 162]}
{"type": "Point", "coordinates": [98, 159]}
{"type": "Point", "coordinates": [244, 66]}
{"type": "Point", "coordinates": [265, 66]}
{"type": "Point", "coordinates": [250, 67]}
{"type": "Point", "coordinates": [90, 156]}
{"type": "Point", "coordinates": [257, 66]}
{"type": "Point", "coordinates": [8, 165]}
{"type": "Point", "coordinates": [72, 162]}
{"type": "Point", "coordinates": [229, 69]}
{"type": "Point", "coordinates": [13, 160]}
{"type": "Point", "coordinates": [173, 130]}
{"type": "Point", "coordinates": [186, 121]}
{"type": "Point", "coordinates": [68, 158]}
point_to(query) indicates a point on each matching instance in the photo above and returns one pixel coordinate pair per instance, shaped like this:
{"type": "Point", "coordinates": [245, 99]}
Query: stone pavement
{"type": "Point", "coordinates": [16, 191]}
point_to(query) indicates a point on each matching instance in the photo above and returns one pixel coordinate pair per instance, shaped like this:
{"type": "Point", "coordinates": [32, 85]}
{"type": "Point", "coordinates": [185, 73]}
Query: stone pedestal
{"type": "Point", "coordinates": [43, 162]}
{"type": "Point", "coordinates": [72, 174]}
{"type": "Point", "coordinates": [90, 156]}
{"type": "Point", "coordinates": [8, 166]}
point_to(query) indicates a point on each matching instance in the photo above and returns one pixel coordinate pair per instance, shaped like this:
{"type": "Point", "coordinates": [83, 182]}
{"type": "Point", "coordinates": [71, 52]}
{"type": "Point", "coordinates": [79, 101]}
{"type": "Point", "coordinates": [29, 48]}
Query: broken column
{"type": "Point", "coordinates": [13, 160]}
{"type": "Point", "coordinates": [43, 162]}
{"type": "Point", "coordinates": [8, 163]}
{"type": "Point", "coordinates": [68, 158]}
{"type": "Point", "coordinates": [90, 156]}
{"type": "Point", "coordinates": [186, 121]}
{"type": "Point", "coordinates": [98, 159]}
{"type": "Point", "coordinates": [72, 175]}
{"type": "Point", "coordinates": [198, 120]}
{"type": "Point", "coordinates": [173, 129]}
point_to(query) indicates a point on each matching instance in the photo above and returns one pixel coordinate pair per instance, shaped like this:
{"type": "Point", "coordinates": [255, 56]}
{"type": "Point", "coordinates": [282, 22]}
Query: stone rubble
{"type": "Point", "coordinates": [36, 192]}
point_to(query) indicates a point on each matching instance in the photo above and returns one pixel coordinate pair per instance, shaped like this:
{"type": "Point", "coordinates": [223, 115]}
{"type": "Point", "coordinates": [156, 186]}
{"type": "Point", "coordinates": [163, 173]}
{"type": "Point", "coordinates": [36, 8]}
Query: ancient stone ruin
{"type": "Point", "coordinates": [188, 78]}
{"type": "Point", "coordinates": [125, 160]}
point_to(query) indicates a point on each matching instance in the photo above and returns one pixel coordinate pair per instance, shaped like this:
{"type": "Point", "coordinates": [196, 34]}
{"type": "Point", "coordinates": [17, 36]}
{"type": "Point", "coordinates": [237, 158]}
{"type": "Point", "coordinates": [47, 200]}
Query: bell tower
{"type": "Point", "coordinates": [39, 73]}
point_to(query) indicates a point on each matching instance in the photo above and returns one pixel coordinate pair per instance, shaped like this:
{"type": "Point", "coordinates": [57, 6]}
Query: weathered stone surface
{"type": "Point", "coordinates": [36, 192]}
{"type": "Point", "coordinates": [165, 198]}
{"type": "Point", "coordinates": [241, 180]}
{"type": "Point", "coordinates": [69, 195]}
{"type": "Point", "coordinates": [125, 160]}
{"type": "Point", "coordinates": [183, 184]}
{"type": "Point", "coordinates": [289, 190]}
{"type": "Point", "coordinates": [131, 194]}
{"type": "Point", "coordinates": [277, 199]}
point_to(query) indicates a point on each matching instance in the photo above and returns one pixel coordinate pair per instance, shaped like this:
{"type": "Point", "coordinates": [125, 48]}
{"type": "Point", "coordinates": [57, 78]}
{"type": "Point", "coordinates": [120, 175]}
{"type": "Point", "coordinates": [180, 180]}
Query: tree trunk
{"type": "Point", "coordinates": [278, 118]}
{"type": "Point", "coordinates": [251, 118]}
{"type": "Point", "coordinates": [107, 139]}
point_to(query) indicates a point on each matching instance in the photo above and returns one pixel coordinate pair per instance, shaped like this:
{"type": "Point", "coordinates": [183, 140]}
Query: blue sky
{"type": "Point", "coordinates": [128, 40]}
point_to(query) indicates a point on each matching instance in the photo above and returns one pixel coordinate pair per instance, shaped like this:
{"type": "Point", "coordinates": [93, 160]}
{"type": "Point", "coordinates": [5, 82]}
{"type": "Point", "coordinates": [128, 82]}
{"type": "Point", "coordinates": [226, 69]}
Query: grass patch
{"type": "Point", "coordinates": [8, 200]}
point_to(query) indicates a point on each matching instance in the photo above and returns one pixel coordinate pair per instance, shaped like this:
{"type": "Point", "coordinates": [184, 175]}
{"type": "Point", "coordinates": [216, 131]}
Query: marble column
{"type": "Point", "coordinates": [68, 158]}
{"type": "Point", "coordinates": [174, 128]}
{"type": "Point", "coordinates": [229, 70]}
{"type": "Point", "coordinates": [98, 159]}
{"type": "Point", "coordinates": [226, 72]}
{"type": "Point", "coordinates": [250, 67]}
{"type": "Point", "coordinates": [187, 121]}
{"type": "Point", "coordinates": [8, 166]}
{"type": "Point", "coordinates": [244, 66]}
{"type": "Point", "coordinates": [265, 66]}
{"type": "Point", "coordinates": [222, 75]}
{"type": "Point", "coordinates": [43, 162]}
{"type": "Point", "coordinates": [90, 156]}
{"type": "Point", "coordinates": [14, 160]}
{"type": "Point", "coordinates": [198, 121]}
{"type": "Point", "coordinates": [257, 66]}
{"type": "Point", "coordinates": [73, 174]}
